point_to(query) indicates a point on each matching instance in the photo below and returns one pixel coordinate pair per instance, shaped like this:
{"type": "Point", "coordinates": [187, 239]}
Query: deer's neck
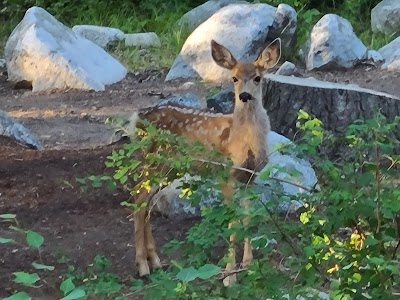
{"type": "Point", "coordinates": [250, 125]}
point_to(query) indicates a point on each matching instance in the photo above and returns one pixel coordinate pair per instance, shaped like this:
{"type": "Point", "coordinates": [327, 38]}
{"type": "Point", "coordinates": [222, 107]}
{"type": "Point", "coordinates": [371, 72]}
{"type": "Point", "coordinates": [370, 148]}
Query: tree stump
{"type": "Point", "coordinates": [336, 105]}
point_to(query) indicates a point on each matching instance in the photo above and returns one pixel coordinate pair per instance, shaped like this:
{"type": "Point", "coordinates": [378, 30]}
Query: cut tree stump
{"type": "Point", "coordinates": [336, 105]}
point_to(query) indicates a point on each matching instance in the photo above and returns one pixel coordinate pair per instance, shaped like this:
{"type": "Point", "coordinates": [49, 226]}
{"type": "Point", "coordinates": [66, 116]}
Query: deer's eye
{"type": "Point", "coordinates": [257, 79]}
{"type": "Point", "coordinates": [235, 79]}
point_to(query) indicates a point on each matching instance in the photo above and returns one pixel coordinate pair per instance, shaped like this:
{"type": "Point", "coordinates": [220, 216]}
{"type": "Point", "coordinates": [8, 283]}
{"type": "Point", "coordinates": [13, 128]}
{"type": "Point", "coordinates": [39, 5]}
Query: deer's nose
{"type": "Point", "coordinates": [245, 97]}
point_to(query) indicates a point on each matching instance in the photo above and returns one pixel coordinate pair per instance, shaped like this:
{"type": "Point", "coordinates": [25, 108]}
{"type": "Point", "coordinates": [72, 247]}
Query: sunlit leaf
{"type": "Point", "coordinates": [188, 274]}
{"type": "Point", "coordinates": [75, 294]}
{"type": "Point", "coordinates": [26, 278]}
{"type": "Point", "coordinates": [34, 239]}
{"type": "Point", "coordinates": [207, 271]}
{"type": "Point", "coordinates": [42, 267]}
{"type": "Point", "coordinates": [19, 296]}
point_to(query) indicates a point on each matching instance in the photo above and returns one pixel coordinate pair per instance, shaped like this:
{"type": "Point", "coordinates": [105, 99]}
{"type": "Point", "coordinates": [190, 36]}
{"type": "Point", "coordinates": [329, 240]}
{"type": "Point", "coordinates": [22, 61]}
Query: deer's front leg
{"type": "Point", "coordinates": [140, 239]}
{"type": "Point", "coordinates": [227, 190]}
{"type": "Point", "coordinates": [247, 250]}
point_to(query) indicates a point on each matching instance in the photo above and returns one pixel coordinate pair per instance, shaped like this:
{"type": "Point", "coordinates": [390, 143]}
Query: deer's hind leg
{"type": "Point", "coordinates": [152, 255]}
{"type": "Point", "coordinates": [141, 222]}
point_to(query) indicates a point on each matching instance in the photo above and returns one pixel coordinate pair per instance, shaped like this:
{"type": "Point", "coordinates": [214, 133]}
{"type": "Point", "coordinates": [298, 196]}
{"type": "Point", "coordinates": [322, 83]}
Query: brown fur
{"type": "Point", "coordinates": [240, 135]}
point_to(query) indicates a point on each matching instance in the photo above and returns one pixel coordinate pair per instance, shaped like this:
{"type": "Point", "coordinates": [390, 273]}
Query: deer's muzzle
{"type": "Point", "coordinates": [244, 97]}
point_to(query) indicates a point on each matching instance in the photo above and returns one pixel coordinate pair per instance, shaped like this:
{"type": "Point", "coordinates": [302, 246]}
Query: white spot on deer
{"type": "Point", "coordinates": [186, 121]}
{"type": "Point", "coordinates": [180, 125]}
{"type": "Point", "coordinates": [199, 122]}
{"type": "Point", "coordinates": [194, 119]}
{"type": "Point", "coordinates": [163, 114]}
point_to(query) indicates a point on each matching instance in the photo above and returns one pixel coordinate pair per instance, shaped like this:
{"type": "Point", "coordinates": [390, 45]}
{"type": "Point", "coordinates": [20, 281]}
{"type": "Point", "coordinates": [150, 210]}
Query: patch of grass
{"type": "Point", "coordinates": [375, 41]}
{"type": "Point", "coordinates": [135, 58]}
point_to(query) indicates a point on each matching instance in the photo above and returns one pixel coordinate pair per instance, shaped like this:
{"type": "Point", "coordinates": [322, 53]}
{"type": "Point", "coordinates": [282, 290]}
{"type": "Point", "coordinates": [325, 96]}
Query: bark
{"type": "Point", "coordinates": [336, 105]}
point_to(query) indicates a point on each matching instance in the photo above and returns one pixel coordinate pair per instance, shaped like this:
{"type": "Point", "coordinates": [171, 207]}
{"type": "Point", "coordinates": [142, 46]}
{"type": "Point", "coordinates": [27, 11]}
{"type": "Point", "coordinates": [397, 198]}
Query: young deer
{"type": "Point", "coordinates": [240, 135]}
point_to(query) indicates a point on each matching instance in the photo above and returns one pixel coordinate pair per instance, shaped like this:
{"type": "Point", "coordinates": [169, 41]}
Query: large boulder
{"type": "Point", "coordinates": [100, 35]}
{"type": "Point", "coordinates": [199, 14]}
{"type": "Point", "coordinates": [43, 51]}
{"type": "Point", "coordinates": [385, 17]}
{"type": "Point", "coordinates": [333, 45]}
{"type": "Point", "coordinates": [244, 29]}
{"type": "Point", "coordinates": [391, 55]}
{"type": "Point", "coordinates": [285, 168]}
{"type": "Point", "coordinates": [17, 132]}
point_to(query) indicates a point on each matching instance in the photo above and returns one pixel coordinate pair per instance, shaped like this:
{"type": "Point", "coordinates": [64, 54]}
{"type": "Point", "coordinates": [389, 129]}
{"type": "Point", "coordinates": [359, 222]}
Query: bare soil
{"type": "Point", "coordinates": [40, 187]}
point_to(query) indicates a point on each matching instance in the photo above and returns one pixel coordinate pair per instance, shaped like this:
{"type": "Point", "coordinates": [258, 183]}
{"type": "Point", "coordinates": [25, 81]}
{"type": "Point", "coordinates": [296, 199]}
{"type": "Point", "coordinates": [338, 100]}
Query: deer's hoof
{"type": "Point", "coordinates": [228, 281]}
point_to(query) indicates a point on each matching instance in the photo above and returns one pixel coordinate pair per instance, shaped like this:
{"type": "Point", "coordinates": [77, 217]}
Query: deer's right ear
{"type": "Point", "coordinates": [222, 56]}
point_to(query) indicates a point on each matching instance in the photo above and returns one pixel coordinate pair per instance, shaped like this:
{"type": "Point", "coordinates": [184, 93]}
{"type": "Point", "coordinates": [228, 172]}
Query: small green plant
{"type": "Point", "coordinates": [34, 241]}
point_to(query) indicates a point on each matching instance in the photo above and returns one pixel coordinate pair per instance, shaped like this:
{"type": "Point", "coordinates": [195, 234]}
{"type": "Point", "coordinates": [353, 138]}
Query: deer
{"type": "Point", "coordinates": [240, 135]}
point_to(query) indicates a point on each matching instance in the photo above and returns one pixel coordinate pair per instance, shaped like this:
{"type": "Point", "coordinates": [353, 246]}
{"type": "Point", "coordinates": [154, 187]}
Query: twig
{"type": "Point", "coordinates": [229, 273]}
{"type": "Point", "coordinates": [254, 173]}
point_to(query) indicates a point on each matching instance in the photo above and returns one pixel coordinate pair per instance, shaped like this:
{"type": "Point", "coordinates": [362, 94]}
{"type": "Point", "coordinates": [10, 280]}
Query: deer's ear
{"type": "Point", "coordinates": [270, 56]}
{"type": "Point", "coordinates": [222, 56]}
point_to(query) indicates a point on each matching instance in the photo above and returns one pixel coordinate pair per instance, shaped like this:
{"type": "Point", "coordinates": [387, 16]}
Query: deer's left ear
{"type": "Point", "coordinates": [270, 56]}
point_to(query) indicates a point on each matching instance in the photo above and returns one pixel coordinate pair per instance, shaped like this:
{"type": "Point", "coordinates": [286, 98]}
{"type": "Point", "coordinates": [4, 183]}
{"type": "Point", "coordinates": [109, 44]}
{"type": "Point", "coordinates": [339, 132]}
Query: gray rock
{"type": "Point", "coordinates": [18, 132]}
{"type": "Point", "coordinates": [43, 51]}
{"type": "Point", "coordinates": [385, 17]}
{"type": "Point", "coordinates": [188, 99]}
{"type": "Point", "coordinates": [168, 202]}
{"type": "Point", "coordinates": [2, 62]}
{"type": "Point", "coordinates": [142, 39]}
{"type": "Point", "coordinates": [230, 27]}
{"type": "Point", "coordinates": [333, 45]}
{"type": "Point", "coordinates": [375, 56]}
{"type": "Point", "coordinates": [285, 18]}
{"type": "Point", "coordinates": [199, 14]}
{"type": "Point", "coordinates": [100, 35]}
{"type": "Point", "coordinates": [391, 55]}
{"type": "Point", "coordinates": [287, 69]}
{"type": "Point", "coordinates": [223, 101]}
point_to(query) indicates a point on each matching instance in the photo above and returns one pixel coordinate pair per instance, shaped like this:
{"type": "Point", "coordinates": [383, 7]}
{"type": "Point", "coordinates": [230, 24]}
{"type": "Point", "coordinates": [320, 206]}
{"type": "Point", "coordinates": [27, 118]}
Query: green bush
{"type": "Point", "coordinates": [346, 240]}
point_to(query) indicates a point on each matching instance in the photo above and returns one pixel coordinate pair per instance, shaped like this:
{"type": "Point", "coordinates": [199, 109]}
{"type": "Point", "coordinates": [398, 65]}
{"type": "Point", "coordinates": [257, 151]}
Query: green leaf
{"type": "Point", "coordinates": [42, 267]}
{"type": "Point", "coordinates": [67, 285]}
{"type": "Point", "coordinates": [26, 278]}
{"type": "Point", "coordinates": [6, 241]}
{"type": "Point", "coordinates": [188, 274]}
{"type": "Point", "coordinates": [7, 216]}
{"type": "Point", "coordinates": [34, 239]}
{"type": "Point", "coordinates": [207, 271]}
{"type": "Point", "coordinates": [19, 296]}
{"type": "Point", "coordinates": [75, 294]}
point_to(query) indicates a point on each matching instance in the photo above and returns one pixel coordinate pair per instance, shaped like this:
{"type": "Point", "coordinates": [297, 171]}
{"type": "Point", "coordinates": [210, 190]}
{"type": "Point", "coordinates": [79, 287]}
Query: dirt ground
{"type": "Point", "coordinates": [40, 187]}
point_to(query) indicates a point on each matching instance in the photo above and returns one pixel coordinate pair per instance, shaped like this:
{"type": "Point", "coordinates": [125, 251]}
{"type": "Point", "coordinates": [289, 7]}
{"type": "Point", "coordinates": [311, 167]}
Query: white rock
{"type": "Point", "coordinates": [242, 28]}
{"type": "Point", "coordinates": [144, 39]}
{"type": "Point", "coordinates": [2, 62]}
{"type": "Point", "coordinates": [333, 44]}
{"type": "Point", "coordinates": [168, 202]}
{"type": "Point", "coordinates": [100, 35]}
{"type": "Point", "coordinates": [375, 56]}
{"type": "Point", "coordinates": [199, 14]}
{"type": "Point", "coordinates": [43, 51]}
{"type": "Point", "coordinates": [385, 17]}
{"type": "Point", "coordinates": [287, 69]}
{"type": "Point", "coordinates": [391, 55]}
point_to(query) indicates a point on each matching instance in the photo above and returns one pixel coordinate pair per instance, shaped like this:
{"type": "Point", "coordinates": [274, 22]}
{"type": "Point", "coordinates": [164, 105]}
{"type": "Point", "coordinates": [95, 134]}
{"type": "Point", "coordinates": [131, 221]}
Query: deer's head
{"type": "Point", "coordinates": [247, 77]}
